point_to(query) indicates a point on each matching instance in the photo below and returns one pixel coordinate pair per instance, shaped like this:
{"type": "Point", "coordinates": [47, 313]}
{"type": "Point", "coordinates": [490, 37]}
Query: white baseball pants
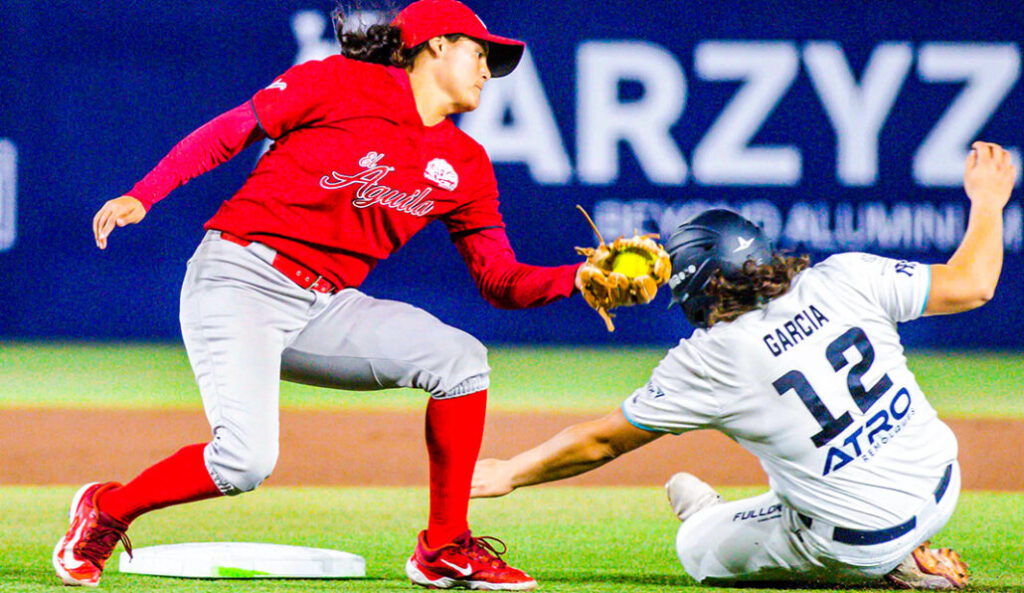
{"type": "Point", "coordinates": [761, 539]}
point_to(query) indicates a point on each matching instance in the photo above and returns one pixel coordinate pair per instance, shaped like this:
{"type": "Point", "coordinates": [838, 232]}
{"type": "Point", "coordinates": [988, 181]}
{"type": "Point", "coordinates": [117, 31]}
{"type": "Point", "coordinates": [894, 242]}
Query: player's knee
{"type": "Point", "coordinates": [458, 347]}
{"type": "Point", "coordinates": [256, 469]}
{"type": "Point", "coordinates": [466, 370]}
{"type": "Point", "coordinates": [473, 355]}
{"type": "Point", "coordinates": [470, 370]}
{"type": "Point", "coordinates": [237, 465]}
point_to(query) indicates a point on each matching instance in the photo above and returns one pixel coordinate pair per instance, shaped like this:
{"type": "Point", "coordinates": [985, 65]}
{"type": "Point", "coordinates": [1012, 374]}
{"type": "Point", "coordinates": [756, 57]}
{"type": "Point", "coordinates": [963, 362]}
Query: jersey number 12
{"type": "Point", "coordinates": [863, 396]}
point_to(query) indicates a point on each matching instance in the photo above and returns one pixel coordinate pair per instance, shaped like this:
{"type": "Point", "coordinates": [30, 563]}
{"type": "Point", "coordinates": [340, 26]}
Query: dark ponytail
{"type": "Point", "coordinates": [376, 44]}
{"type": "Point", "coordinates": [754, 287]}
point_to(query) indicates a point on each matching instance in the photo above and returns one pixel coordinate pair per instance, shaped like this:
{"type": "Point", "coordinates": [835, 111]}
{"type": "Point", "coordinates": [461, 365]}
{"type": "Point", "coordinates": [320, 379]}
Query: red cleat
{"type": "Point", "coordinates": [470, 562]}
{"type": "Point", "coordinates": [80, 555]}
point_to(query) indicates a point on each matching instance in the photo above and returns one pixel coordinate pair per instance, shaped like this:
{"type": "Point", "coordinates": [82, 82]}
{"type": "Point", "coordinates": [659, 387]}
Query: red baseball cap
{"type": "Point", "coordinates": [425, 19]}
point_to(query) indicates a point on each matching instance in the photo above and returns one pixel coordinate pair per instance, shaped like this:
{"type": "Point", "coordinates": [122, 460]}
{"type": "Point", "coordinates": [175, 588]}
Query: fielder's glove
{"type": "Point", "coordinates": [627, 272]}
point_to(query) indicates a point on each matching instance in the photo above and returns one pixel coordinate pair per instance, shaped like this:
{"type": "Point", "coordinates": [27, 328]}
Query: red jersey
{"type": "Point", "coordinates": [353, 173]}
{"type": "Point", "coordinates": [352, 176]}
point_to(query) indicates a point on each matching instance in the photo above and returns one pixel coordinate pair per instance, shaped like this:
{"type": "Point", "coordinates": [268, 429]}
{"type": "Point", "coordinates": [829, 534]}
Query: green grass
{"type": "Point", "coordinates": [158, 376]}
{"type": "Point", "coordinates": [571, 539]}
{"type": "Point", "coordinates": [585, 380]}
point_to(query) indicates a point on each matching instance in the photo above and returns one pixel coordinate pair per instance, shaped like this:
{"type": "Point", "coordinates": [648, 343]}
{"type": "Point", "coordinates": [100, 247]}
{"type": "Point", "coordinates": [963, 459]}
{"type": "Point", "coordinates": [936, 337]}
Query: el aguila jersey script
{"type": "Point", "coordinates": [816, 386]}
{"type": "Point", "coordinates": [363, 177]}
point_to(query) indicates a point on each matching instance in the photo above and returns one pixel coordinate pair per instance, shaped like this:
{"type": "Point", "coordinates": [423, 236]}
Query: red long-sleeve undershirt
{"type": "Point", "coordinates": [503, 281]}
{"type": "Point", "coordinates": [506, 283]}
{"type": "Point", "coordinates": [212, 144]}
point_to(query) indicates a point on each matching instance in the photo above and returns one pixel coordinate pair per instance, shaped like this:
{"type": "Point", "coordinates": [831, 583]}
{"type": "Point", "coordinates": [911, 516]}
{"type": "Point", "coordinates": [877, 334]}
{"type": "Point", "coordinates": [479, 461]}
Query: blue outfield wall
{"type": "Point", "coordinates": [839, 127]}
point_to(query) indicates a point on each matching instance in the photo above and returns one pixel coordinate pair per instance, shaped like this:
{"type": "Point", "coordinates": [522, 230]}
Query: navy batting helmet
{"type": "Point", "coordinates": [714, 240]}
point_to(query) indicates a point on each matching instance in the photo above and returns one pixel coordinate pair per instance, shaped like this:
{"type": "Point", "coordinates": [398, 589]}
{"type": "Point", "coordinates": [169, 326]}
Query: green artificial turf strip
{"type": "Point", "coordinates": [585, 380]}
{"type": "Point", "coordinates": [571, 539]}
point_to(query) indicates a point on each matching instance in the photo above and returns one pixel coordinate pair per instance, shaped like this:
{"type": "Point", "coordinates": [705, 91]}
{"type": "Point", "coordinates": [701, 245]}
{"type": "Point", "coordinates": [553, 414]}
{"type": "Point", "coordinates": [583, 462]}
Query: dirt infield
{"type": "Point", "coordinates": [369, 448]}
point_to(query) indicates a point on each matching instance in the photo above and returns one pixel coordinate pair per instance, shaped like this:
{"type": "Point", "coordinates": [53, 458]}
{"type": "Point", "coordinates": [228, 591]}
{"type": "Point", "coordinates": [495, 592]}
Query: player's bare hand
{"type": "Point", "coordinates": [491, 478]}
{"type": "Point", "coordinates": [989, 175]}
{"type": "Point", "coordinates": [116, 213]}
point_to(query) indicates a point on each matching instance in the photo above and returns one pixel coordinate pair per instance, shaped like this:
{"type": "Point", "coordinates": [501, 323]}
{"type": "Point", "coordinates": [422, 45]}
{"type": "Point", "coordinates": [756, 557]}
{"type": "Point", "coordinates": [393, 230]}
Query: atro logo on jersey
{"type": "Point", "coordinates": [865, 441]}
{"type": "Point", "coordinates": [441, 173]}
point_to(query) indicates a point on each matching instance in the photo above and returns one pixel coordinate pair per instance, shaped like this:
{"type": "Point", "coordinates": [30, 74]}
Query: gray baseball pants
{"type": "Point", "coordinates": [246, 326]}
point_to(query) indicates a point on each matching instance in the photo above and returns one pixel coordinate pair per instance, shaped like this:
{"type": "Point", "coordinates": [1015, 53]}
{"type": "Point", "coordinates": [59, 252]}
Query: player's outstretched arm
{"type": "Point", "coordinates": [212, 144]}
{"type": "Point", "coordinates": [577, 449]}
{"type": "Point", "coordinates": [116, 213]}
{"type": "Point", "coordinates": [505, 282]}
{"type": "Point", "coordinates": [968, 280]}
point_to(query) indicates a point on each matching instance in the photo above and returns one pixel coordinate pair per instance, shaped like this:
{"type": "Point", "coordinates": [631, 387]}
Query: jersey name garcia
{"type": "Point", "coordinates": [353, 172]}
{"type": "Point", "coordinates": [816, 385]}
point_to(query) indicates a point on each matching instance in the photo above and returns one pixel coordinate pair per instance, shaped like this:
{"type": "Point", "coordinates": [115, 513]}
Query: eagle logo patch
{"type": "Point", "coordinates": [442, 174]}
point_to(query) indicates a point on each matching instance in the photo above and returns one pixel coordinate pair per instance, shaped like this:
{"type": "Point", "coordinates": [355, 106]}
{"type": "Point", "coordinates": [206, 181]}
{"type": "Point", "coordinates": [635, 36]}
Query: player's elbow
{"type": "Point", "coordinates": [982, 297]}
{"type": "Point", "coordinates": [605, 450]}
{"type": "Point", "coordinates": [987, 293]}
{"type": "Point", "coordinates": [592, 446]}
{"type": "Point", "coordinates": [960, 289]}
{"type": "Point", "coordinates": [960, 303]}
{"type": "Point", "coordinates": [499, 301]}
{"type": "Point", "coordinates": [976, 296]}
{"type": "Point", "coordinates": [495, 291]}
{"type": "Point", "coordinates": [981, 288]}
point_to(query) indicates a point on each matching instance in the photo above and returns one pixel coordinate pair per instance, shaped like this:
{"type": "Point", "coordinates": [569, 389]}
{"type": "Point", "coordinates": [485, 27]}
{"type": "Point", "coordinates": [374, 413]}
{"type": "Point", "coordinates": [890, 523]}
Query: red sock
{"type": "Point", "coordinates": [455, 428]}
{"type": "Point", "coordinates": [180, 478]}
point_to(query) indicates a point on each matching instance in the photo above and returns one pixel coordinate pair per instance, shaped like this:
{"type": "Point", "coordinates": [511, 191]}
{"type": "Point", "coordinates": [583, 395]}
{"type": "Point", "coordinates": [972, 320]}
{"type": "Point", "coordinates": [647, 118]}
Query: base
{"type": "Point", "coordinates": [235, 560]}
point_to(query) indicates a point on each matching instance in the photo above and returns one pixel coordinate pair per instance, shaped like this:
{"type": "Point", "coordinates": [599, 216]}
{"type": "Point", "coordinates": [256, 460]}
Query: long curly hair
{"type": "Point", "coordinates": [376, 44]}
{"type": "Point", "coordinates": [755, 286]}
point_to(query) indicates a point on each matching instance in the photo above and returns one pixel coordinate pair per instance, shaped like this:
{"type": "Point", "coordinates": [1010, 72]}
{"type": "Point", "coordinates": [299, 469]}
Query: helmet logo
{"type": "Point", "coordinates": [743, 244]}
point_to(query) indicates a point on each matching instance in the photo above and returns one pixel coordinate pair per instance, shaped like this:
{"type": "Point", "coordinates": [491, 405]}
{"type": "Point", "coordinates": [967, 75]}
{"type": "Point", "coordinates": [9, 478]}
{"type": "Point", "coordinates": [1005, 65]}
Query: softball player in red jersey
{"type": "Point", "coordinates": [364, 157]}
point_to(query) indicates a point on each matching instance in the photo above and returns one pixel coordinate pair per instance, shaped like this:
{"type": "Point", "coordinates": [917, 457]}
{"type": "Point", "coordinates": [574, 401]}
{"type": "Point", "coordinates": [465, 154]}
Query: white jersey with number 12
{"type": "Point", "coordinates": [816, 385]}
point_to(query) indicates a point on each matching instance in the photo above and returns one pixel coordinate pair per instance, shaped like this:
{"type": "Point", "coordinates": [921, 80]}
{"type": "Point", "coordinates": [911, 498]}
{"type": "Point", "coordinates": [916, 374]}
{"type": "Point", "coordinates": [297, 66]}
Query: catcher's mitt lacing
{"type": "Point", "coordinates": [604, 288]}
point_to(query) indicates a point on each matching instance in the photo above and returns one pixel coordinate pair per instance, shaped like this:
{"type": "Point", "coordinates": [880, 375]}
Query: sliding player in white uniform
{"type": "Point", "coordinates": [803, 367]}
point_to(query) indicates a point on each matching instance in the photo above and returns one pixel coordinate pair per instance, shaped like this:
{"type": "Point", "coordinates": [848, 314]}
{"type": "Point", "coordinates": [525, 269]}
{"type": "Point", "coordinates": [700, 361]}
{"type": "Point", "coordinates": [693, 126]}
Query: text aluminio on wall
{"type": "Point", "coordinates": [910, 228]}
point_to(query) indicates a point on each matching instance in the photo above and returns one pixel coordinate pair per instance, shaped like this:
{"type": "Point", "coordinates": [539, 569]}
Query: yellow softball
{"type": "Point", "coordinates": [630, 264]}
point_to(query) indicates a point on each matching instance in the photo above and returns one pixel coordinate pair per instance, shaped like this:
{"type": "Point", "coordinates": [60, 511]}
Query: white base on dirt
{"type": "Point", "coordinates": [236, 560]}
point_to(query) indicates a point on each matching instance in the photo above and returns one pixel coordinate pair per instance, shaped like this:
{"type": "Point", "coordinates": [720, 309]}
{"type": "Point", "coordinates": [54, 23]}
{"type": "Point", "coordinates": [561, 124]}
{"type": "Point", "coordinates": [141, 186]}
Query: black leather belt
{"type": "Point", "coordinates": [858, 537]}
